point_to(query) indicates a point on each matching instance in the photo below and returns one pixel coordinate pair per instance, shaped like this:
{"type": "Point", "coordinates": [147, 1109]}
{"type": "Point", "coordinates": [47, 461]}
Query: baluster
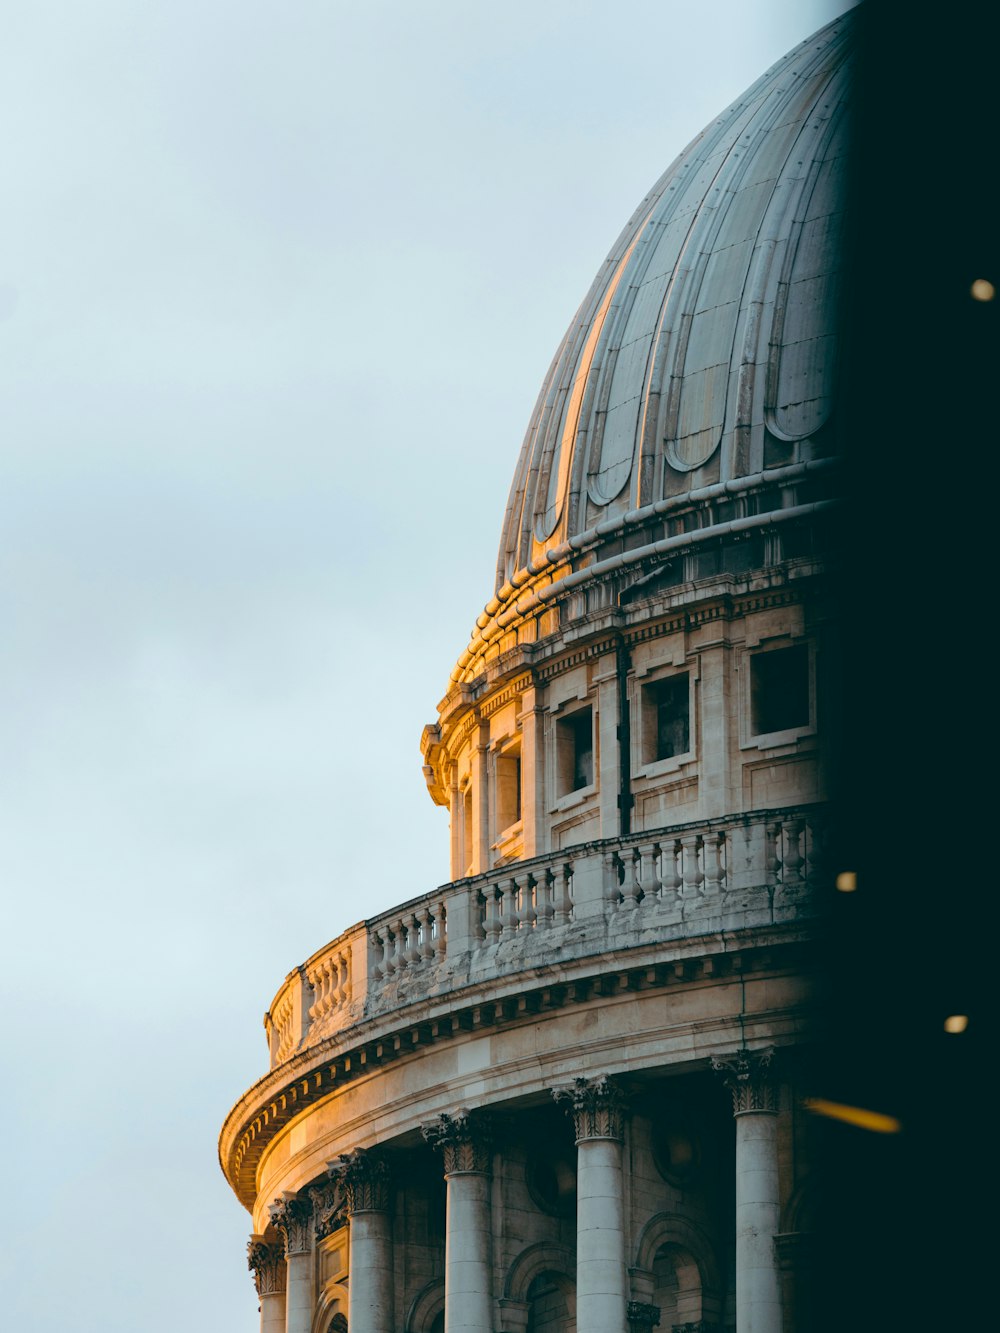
{"type": "Point", "coordinates": [613, 879]}
{"type": "Point", "coordinates": [512, 917]}
{"type": "Point", "coordinates": [772, 859]}
{"type": "Point", "coordinates": [427, 935]}
{"type": "Point", "coordinates": [544, 907]}
{"type": "Point", "coordinates": [441, 930]}
{"type": "Point", "coordinates": [670, 880]}
{"type": "Point", "coordinates": [647, 873]}
{"type": "Point", "coordinates": [714, 851]}
{"type": "Point", "coordinates": [394, 958]}
{"type": "Point", "coordinates": [413, 957]}
{"type": "Point", "coordinates": [691, 871]}
{"type": "Point", "coordinates": [632, 888]}
{"type": "Point", "coordinates": [564, 908]}
{"type": "Point", "coordinates": [529, 902]}
{"type": "Point", "coordinates": [379, 965]}
{"type": "Point", "coordinates": [343, 981]}
{"type": "Point", "coordinates": [493, 926]}
{"type": "Point", "coordinates": [793, 859]}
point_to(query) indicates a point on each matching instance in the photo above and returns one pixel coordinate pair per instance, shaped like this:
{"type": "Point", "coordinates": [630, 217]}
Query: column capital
{"type": "Point", "coordinates": [364, 1179]}
{"type": "Point", "coordinates": [291, 1214]}
{"type": "Point", "coordinates": [597, 1106]}
{"type": "Point", "coordinates": [266, 1261]}
{"type": "Point", "coordinates": [642, 1317]}
{"type": "Point", "coordinates": [465, 1142]}
{"type": "Point", "coordinates": [329, 1205]}
{"type": "Point", "coordinates": [748, 1076]}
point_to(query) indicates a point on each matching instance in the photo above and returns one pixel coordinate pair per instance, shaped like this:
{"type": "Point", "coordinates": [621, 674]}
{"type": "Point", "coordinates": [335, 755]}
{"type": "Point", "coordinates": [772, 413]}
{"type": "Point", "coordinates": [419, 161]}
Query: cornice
{"type": "Point", "coordinates": [321, 1070]}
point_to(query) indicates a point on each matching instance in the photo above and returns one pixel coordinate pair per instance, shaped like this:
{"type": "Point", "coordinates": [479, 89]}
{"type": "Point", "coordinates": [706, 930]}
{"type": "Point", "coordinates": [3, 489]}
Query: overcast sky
{"type": "Point", "coordinates": [278, 286]}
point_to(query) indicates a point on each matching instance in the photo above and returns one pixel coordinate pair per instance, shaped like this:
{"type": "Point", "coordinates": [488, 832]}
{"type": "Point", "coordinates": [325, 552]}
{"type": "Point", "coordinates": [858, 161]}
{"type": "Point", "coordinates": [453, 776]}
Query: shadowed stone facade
{"type": "Point", "coordinates": [563, 1090]}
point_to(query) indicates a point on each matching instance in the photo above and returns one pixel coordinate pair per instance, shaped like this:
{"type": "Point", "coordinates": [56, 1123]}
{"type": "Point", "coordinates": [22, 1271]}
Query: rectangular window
{"type": "Point", "coordinates": [779, 690]}
{"type": "Point", "coordinates": [508, 789]}
{"type": "Point", "coordinates": [666, 718]}
{"type": "Point", "coordinates": [575, 751]}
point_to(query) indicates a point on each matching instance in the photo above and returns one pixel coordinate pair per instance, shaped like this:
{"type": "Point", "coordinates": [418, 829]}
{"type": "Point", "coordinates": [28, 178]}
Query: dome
{"type": "Point", "coordinates": [703, 352]}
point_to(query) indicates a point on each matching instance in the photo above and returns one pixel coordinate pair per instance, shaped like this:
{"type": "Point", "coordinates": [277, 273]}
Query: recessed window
{"type": "Point", "coordinates": [779, 690]}
{"type": "Point", "coordinates": [508, 789]}
{"type": "Point", "coordinates": [575, 751]}
{"type": "Point", "coordinates": [666, 718]}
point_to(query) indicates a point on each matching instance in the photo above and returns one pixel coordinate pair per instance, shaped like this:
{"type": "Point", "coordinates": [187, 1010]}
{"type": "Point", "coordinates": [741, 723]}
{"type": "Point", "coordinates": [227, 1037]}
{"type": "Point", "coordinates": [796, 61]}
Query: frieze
{"type": "Point", "coordinates": [748, 1076]}
{"type": "Point", "coordinates": [266, 1261]}
{"type": "Point", "coordinates": [597, 1106]}
{"type": "Point", "coordinates": [464, 1140]}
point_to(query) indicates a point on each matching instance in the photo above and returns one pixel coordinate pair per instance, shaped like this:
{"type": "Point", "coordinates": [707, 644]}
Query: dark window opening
{"type": "Point", "coordinates": [667, 718]}
{"type": "Point", "coordinates": [575, 744]}
{"type": "Point", "coordinates": [779, 690]}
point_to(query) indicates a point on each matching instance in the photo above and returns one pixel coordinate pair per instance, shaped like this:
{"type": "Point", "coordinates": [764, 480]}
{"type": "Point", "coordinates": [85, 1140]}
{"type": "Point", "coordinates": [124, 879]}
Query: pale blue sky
{"type": "Point", "coordinates": [278, 285]}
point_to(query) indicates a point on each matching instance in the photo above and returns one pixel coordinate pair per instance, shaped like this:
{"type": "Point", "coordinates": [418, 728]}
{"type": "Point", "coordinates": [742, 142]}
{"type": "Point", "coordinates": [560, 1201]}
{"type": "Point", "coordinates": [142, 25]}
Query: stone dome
{"type": "Point", "coordinates": [702, 353]}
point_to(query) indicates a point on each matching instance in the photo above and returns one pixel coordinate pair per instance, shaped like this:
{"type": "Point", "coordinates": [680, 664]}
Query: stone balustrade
{"type": "Point", "coordinates": [673, 883]}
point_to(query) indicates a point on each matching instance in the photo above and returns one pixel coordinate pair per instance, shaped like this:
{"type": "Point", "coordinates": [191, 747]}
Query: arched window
{"type": "Point", "coordinates": [551, 1304]}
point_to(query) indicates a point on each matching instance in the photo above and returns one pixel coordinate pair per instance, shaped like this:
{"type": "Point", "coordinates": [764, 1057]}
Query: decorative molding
{"type": "Point", "coordinates": [465, 1142]}
{"type": "Point", "coordinates": [642, 1317]}
{"type": "Point", "coordinates": [292, 1216]}
{"type": "Point", "coordinates": [748, 1076]}
{"type": "Point", "coordinates": [266, 1261]}
{"type": "Point", "coordinates": [329, 1206]}
{"type": "Point", "coordinates": [331, 1063]}
{"type": "Point", "coordinates": [597, 1106]}
{"type": "Point", "coordinates": [364, 1178]}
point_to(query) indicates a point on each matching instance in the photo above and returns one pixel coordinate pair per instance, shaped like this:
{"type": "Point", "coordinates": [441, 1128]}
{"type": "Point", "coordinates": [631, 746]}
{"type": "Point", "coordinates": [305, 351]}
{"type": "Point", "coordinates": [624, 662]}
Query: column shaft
{"type": "Point", "coordinates": [468, 1294]}
{"type": "Point", "coordinates": [272, 1313]}
{"type": "Point", "coordinates": [370, 1305]}
{"type": "Point", "coordinates": [758, 1296]}
{"type": "Point", "coordinates": [299, 1304]}
{"type": "Point", "coordinates": [601, 1278]}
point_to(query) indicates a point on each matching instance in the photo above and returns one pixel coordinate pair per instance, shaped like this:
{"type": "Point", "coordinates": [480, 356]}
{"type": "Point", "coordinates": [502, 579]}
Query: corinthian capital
{"type": "Point", "coordinates": [597, 1106]}
{"type": "Point", "coordinates": [292, 1216]}
{"type": "Point", "coordinates": [464, 1140]}
{"type": "Point", "coordinates": [329, 1203]}
{"type": "Point", "coordinates": [364, 1178]}
{"type": "Point", "coordinates": [748, 1076]}
{"type": "Point", "coordinates": [266, 1260]}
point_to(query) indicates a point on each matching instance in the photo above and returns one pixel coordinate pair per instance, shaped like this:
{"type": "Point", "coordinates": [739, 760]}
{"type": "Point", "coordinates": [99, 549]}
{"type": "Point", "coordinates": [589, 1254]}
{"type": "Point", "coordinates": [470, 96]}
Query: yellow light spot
{"type": "Point", "coordinates": [847, 881]}
{"type": "Point", "coordinates": [854, 1115]}
{"type": "Point", "coordinates": [982, 290]}
{"type": "Point", "coordinates": [956, 1023]}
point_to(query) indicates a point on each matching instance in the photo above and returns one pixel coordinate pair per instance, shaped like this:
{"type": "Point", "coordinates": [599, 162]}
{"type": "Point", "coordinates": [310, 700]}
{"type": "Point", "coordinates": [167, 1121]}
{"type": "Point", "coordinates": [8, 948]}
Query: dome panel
{"type": "Point", "coordinates": [713, 316]}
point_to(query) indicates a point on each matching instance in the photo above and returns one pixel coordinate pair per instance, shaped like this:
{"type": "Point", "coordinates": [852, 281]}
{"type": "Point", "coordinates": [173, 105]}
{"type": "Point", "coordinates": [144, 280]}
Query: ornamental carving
{"type": "Point", "coordinates": [748, 1076]}
{"type": "Point", "coordinates": [266, 1260]}
{"type": "Point", "coordinates": [292, 1216]}
{"type": "Point", "coordinates": [329, 1206]}
{"type": "Point", "coordinates": [597, 1106]}
{"type": "Point", "coordinates": [364, 1179]}
{"type": "Point", "coordinates": [642, 1317]}
{"type": "Point", "coordinates": [464, 1140]}
{"type": "Point", "coordinates": [700, 1326]}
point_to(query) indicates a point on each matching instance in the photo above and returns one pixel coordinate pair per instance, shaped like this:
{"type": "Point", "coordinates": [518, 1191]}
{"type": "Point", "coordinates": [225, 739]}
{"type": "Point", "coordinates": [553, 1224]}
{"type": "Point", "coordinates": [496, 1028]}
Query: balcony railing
{"type": "Point", "coordinates": [748, 870]}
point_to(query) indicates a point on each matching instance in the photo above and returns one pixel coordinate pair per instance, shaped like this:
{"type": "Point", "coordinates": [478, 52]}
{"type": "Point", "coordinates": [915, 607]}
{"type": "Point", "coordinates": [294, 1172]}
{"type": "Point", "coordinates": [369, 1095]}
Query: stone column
{"type": "Point", "coordinates": [292, 1216]}
{"type": "Point", "coordinates": [533, 773]}
{"type": "Point", "coordinates": [598, 1109]}
{"type": "Point", "coordinates": [364, 1179]}
{"type": "Point", "coordinates": [747, 1074]}
{"type": "Point", "coordinates": [464, 1142]}
{"type": "Point", "coordinates": [266, 1260]}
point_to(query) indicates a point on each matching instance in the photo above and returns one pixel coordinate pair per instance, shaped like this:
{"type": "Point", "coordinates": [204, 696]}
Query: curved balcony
{"type": "Point", "coordinates": [663, 906]}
